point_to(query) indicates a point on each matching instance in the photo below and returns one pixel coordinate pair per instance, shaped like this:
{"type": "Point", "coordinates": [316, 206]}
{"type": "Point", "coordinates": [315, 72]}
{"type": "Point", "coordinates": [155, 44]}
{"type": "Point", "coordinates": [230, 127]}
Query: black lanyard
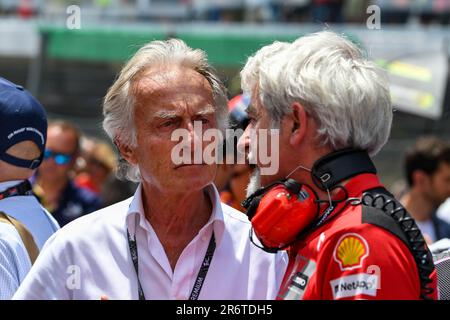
{"type": "Point", "coordinates": [21, 189]}
{"type": "Point", "coordinates": [201, 273]}
{"type": "Point", "coordinates": [134, 256]}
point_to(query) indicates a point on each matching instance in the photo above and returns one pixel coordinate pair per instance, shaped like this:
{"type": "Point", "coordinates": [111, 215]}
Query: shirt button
{"type": "Point", "coordinates": [203, 238]}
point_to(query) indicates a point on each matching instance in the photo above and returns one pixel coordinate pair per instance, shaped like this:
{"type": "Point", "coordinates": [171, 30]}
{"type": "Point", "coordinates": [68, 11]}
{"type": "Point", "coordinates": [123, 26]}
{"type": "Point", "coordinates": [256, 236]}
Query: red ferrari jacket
{"type": "Point", "coordinates": [351, 256]}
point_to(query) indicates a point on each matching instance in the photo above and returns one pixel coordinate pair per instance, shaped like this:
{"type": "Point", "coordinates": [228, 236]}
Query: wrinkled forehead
{"type": "Point", "coordinates": [169, 88]}
{"type": "Point", "coordinates": [160, 80]}
{"type": "Point", "coordinates": [61, 139]}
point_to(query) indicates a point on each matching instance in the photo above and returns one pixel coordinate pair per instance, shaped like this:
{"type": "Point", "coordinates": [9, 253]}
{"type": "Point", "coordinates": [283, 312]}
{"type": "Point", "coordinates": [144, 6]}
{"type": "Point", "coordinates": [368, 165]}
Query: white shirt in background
{"type": "Point", "coordinates": [443, 211]}
{"type": "Point", "coordinates": [14, 261]}
{"type": "Point", "coordinates": [427, 228]}
{"type": "Point", "coordinates": [30, 213]}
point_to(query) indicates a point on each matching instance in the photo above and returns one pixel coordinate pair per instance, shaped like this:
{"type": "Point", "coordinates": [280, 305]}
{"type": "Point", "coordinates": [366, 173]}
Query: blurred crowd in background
{"type": "Point", "coordinates": [77, 175]}
{"type": "Point", "coordinates": [259, 11]}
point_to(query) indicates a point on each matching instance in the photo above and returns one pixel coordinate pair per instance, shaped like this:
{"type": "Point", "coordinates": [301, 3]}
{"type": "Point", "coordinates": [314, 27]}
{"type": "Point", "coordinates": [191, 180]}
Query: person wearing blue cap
{"type": "Point", "coordinates": [23, 127]}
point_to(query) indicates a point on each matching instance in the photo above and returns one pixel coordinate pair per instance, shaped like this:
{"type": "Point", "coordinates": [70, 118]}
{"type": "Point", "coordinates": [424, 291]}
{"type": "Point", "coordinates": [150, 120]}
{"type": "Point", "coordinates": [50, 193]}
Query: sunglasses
{"type": "Point", "coordinates": [60, 158]}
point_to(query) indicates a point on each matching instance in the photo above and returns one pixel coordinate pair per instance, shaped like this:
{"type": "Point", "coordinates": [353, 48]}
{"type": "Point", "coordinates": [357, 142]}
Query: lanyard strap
{"type": "Point", "coordinates": [134, 256]}
{"type": "Point", "coordinates": [203, 269]}
{"type": "Point", "coordinates": [21, 189]}
{"type": "Point", "coordinates": [198, 284]}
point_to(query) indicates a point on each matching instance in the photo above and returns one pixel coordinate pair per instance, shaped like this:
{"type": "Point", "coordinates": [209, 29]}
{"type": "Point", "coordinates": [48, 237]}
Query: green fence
{"type": "Point", "coordinates": [116, 45]}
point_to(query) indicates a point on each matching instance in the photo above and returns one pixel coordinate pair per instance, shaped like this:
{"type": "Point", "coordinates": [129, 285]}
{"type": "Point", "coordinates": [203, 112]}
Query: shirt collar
{"type": "Point", "coordinates": [361, 183]}
{"type": "Point", "coordinates": [8, 184]}
{"type": "Point", "coordinates": [136, 215]}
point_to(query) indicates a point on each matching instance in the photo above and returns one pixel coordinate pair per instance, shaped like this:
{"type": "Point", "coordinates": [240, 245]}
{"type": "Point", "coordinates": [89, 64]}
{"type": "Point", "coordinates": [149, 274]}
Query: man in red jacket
{"type": "Point", "coordinates": [356, 255]}
{"type": "Point", "coordinates": [347, 236]}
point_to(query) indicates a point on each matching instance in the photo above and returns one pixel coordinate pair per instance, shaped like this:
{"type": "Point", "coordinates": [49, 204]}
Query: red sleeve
{"type": "Point", "coordinates": [366, 262]}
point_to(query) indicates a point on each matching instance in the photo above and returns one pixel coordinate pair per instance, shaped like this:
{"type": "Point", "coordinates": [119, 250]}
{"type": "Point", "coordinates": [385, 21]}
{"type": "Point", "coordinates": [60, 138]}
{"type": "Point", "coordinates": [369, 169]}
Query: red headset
{"type": "Point", "coordinates": [284, 210]}
{"type": "Point", "coordinates": [279, 211]}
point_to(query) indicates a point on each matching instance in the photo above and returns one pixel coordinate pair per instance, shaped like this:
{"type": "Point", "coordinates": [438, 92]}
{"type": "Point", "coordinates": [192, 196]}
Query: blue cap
{"type": "Point", "coordinates": [22, 118]}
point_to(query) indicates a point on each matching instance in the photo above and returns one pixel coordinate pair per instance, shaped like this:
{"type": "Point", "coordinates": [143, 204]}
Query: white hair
{"type": "Point", "coordinates": [346, 94]}
{"type": "Point", "coordinates": [118, 105]}
{"type": "Point", "coordinates": [250, 73]}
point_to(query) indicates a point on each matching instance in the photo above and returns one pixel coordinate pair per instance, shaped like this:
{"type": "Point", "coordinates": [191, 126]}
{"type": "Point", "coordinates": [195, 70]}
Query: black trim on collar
{"type": "Point", "coordinates": [341, 165]}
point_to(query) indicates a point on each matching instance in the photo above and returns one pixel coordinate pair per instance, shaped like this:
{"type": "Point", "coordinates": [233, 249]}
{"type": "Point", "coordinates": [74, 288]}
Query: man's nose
{"type": "Point", "coordinates": [195, 133]}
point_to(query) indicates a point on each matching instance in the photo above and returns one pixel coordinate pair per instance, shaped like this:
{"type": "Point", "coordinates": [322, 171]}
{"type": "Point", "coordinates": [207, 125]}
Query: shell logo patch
{"type": "Point", "coordinates": [350, 251]}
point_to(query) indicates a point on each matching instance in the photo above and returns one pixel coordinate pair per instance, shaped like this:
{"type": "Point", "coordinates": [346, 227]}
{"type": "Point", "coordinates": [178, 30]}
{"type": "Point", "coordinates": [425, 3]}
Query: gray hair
{"type": "Point", "coordinates": [345, 93]}
{"type": "Point", "coordinates": [250, 73]}
{"type": "Point", "coordinates": [118, 105]}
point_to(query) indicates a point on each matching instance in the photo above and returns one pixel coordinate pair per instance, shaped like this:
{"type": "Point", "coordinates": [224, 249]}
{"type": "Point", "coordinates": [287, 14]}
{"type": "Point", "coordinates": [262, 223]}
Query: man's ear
{"type": "Point", "coordinates": [126, 151]}
{"type": "Point", "coordinates": [299, 124]}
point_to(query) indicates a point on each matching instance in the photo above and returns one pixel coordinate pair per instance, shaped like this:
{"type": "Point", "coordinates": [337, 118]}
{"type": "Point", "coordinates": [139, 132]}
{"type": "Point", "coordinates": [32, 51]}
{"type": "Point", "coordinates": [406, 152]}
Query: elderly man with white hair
{"type": "Point", "coordinates": [173, 239]}
{"type": "Point", "coordinates": [348, 238]}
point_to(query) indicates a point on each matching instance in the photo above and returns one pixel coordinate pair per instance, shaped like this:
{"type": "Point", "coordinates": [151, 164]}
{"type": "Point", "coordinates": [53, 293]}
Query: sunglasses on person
{"type": "Point", "coordinates": [60, 158]}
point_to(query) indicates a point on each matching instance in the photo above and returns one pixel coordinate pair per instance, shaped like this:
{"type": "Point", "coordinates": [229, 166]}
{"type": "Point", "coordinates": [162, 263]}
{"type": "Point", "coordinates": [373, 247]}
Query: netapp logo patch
{"type": "Point", "coordinates": [351, 286]}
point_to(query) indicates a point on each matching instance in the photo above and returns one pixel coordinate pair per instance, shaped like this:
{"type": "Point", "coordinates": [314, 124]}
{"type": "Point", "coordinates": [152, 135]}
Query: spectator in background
{"type": "Point", "coordinates": [393, 11]}
{"type": "Point", "coordinates": [115, 190]}
{"type": "Point", "coordinates": [327, 11]}
{"type": "Point", "coordinates": [236, 190]}
{"type": "Point", "coordinates": [95, 173]}
{"type": "Point", "coordinates": [99, 162]}
{"type": "Point", "coordinates": [53, 183]}
{"type": "Point", "coordinates": [258, 11]}
{"type": "Point", "coordinates": [236, 115]}
{"type": "Point", "coordinates": [15, 261]}
{"type": "Point", "coordinates": [428, 174]}
{"type": "Point", "coordinates": [237, 119]}
{"type": "Point", "coordinates": [297, 11]}
{"type": "Point", "coordinates": [23, 126]}
{"type": "Point", "coordinates": [444, 211]}
{"type": "Point", "coordinates": [236, 176]}
{"type": "Point", "coordinates": [223, 173]}
{"type": "Point", "coordinates": [21, 152]}
{"type": "Point", "coordinates": [355, 11]}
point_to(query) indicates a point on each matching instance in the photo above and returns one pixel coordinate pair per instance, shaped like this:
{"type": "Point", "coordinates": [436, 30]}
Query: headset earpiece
{"type": "Point", "coordinates": [281, 211]}
{"type": "Point", "coordinates": [252, 207]}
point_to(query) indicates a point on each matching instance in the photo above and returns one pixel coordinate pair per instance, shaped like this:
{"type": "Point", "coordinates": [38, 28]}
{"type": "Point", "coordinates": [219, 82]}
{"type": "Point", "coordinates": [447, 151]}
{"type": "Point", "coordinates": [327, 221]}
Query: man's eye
{"type": "Point", "coordinates": [203, 120]}
{"type": "Point", "coordinates": [168, 124]}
